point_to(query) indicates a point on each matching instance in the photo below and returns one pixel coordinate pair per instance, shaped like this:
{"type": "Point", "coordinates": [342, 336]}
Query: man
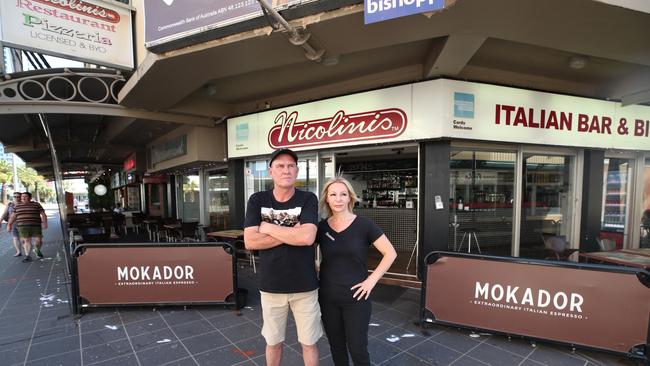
{"type": "Point", "coordinates": [5, 217]}
{"type": "Point", "coordinates": [281, 225]}
{"type": "Point", "coordinates": [30, 219]}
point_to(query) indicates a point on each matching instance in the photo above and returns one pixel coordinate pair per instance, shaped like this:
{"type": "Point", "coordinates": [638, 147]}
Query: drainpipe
{"type": "Point", "coordinates": [296, 37]}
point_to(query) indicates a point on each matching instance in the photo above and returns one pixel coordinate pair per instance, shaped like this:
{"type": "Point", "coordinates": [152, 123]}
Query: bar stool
{"type": "Point", "coordinates": [469, 233]}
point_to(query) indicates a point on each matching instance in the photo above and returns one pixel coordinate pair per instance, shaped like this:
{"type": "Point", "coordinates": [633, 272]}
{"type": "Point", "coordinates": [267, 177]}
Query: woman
{"type": "Point", "coordinates": [345, 286]}
{"type": "Point", "coordinates": [5, 217]}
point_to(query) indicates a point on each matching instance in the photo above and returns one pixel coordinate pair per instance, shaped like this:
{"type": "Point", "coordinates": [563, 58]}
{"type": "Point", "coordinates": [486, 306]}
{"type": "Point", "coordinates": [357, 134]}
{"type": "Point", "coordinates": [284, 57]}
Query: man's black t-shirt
{"type": "Point", "coordinates": [285, 268]}
{"type": "Point", "coordinates": [345, 256]}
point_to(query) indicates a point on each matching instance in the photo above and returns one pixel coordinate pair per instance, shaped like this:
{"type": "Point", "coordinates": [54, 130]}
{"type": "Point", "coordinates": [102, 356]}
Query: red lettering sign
{"type": "Point", "coordinates": [129, 164]}
{"type": "Point", "coordinates": [373, 125]}
{"type": "Point", "coordinates": [84, 8]}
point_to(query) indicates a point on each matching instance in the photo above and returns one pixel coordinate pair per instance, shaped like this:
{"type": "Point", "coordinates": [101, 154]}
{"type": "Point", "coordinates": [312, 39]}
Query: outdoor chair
{"type": "Point", "coordinates": [240, 248]}
{"type": "Point", "coordinates": [606, 244]}
{"type": "Point", "coordinates": [557, 247]}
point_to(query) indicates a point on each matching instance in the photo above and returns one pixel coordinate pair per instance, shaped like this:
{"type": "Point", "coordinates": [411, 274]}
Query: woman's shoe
{"type": "Point", "coordinates": [18, 254]}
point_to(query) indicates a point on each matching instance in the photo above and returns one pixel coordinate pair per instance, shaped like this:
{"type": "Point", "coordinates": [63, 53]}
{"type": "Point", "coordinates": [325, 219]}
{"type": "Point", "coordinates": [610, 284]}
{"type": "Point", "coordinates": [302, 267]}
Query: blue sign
{"type": "Point", "coordinates": [463, 105]}
{"type": "Point", "coordinates": [379, 10]}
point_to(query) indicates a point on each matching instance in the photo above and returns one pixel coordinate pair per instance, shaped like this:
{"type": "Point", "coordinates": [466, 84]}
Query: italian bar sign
{"type": "Point", "coordinates": [443, 109]}
{"type": "Point", "coordinates": [83, 30]}
{"type": "Point", "coordinates": [593, 307]}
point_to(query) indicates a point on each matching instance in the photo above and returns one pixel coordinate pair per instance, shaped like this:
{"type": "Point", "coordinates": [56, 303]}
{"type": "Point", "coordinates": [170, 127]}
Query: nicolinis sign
{"type": "Point", "coordinates": [373, 125]}
{"type": "Point", "coordinates": [80, 7]}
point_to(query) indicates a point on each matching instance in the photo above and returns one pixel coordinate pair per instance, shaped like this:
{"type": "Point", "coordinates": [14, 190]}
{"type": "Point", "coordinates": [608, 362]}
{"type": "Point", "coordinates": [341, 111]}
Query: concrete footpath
{"type": "Point", "coordinates": [37, 328]}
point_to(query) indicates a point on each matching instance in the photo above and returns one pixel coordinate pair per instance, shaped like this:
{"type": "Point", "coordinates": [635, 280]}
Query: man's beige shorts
{"type": "Point", "coordinates": [306, 313]}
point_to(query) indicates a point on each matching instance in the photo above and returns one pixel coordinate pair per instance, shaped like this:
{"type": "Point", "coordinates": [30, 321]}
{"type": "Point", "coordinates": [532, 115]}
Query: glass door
{"type": "Point", "coordinates": [617, 190]}
{"type": "Point", "coordinates": [547, 207]}
{"type": "Point", "coordinates": [326, 170]}
{"type": "Point", "coordinates": [189, 197]}
{"type": "Point", "coordinates": [217, 187]}
{"type": "Point", "coordinates": [307, 174]}
{"type": "Point", "coordinates": [481, 201]}
{"type": "Point", "coordinates": [644, 239]}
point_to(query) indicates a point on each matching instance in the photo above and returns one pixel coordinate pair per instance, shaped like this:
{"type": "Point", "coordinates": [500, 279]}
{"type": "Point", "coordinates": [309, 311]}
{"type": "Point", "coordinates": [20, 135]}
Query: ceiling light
{"type": "Point", "coordinates": [330, 60]}
{"type": "Point", "coordinates": [209, 89]}
{"type": "Point", "coordinates": [577, 62]}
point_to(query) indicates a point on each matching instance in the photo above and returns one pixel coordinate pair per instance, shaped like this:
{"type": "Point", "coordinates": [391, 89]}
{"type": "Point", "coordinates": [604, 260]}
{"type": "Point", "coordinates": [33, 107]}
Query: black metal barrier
{"type": "Point", "coordinates": [592, 306]}
{"type": "Point", "coordinates": [116, 274]}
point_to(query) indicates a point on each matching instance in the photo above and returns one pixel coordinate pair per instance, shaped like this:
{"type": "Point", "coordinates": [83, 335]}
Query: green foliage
{"type": "Point", "coordinates": [6, 176]}
{"type": "Point", "coordinates": [29, 178]}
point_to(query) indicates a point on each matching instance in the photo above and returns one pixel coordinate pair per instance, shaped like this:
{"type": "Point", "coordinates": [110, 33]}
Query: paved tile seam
{"type": "Point", "coordinates": [29, 347]}
{"type": "Point", "coordinates": [135, 354]}
{"type": "Point", "coordinates": [589, 358]}
{"type": "Point", "coordinates": [220, 332]}
{"type": "Point", "coordinates": [527, 357]}
{"type": "Point", "coordinates": [179, 340]}
{"type": "Point", "coordinates": [46, 357]}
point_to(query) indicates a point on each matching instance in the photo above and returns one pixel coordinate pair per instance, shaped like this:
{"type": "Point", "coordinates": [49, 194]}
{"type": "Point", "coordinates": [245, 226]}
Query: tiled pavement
{"type": "Point", "coordinates": [37, 328]}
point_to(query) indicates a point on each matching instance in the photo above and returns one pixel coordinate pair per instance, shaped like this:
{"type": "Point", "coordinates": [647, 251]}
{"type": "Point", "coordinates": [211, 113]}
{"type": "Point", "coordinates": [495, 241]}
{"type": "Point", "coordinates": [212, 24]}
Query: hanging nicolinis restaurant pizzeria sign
{"type": "Point", "coordinates": [82, 30]}
{"type": "Point", "coordinates": [289, 131]}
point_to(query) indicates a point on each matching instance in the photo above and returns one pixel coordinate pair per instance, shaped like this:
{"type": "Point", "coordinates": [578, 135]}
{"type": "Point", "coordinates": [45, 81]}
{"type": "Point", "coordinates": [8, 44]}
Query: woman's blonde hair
{"type": "Point", "coordinates": [325, 209]}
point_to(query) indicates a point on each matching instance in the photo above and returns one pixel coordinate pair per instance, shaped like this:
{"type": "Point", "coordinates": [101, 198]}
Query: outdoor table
{"type": "Point", "coordinates": [227, 234]}
{"type": "Point", "coordinates": [639, 258]}
{"type": "Point", "coordinates": [153, 236]}
{"type": "Point", "coordinates": [173, 227]}
{"type": "Point", "coordinates": [235, 237]}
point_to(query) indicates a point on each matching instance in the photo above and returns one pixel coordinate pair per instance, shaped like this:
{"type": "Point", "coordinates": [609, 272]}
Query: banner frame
{"type": "Point", "coordinates": [426, 317]}
{"type": "Point", "coordinates": [78, 304]}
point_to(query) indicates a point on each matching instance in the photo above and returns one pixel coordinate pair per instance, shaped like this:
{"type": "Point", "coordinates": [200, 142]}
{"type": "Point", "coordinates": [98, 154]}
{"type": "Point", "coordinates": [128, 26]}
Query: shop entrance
{"type": "Point", "coordinates": [547, 205]}
{"type": "Point", "coordinates": [386, 182]}
{"type": "Point", "coordinates": [481, 201]}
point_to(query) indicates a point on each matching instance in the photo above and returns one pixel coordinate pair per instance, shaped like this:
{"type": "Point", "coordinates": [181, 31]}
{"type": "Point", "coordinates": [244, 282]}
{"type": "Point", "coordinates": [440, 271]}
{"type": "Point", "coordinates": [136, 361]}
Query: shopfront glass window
{"type": "Point", "coordinates": [481, 201]}
{"type": "Point", "coordinates": [547, 208]}
{"type": "Point", "coordinates": [307, 174]}
{"type": "Point", "coordinates": [218, 200]}
{"type": "Point", "coordinates": [190, 197]}
{"type": "Point", "coordinates": [616, 199]}
{"type": "Point", "coordinates": [645, 218]}
{"type": "Point", "coordinates": [258, 178]}
{"type": "Point", "coordinates": [386, 182]}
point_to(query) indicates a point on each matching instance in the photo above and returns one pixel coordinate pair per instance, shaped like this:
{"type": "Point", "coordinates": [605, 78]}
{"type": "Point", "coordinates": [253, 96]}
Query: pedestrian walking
{"type": "Point", "coordinates": [345, 286]}
{"type": "Point", "coordinates": [281, 225]}
{"type": "Point", "coordinates": [14, 232]}
{"type": "Point", "coordinates": [30, 219]}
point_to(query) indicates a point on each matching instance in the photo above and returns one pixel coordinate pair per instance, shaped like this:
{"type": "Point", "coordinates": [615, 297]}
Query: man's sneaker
{"type": "Point", "coordinates": [38, 252]}
{"type": "Point", "coordinates": [27, 259]}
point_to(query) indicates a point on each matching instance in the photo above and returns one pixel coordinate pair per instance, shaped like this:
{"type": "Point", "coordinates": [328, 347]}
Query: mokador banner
{"type": "Point", "coordinates": [607, 310]}
{"type": "Point", "coordinates": [144, 275]}
{"type": "Point", "coordinates": [83, 30]}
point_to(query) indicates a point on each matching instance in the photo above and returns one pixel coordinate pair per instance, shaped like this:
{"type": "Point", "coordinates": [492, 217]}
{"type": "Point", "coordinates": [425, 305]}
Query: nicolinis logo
{"type": "Point", "coordinates": [81, 7]}
{"type": "Point", "coordinates": [373, 125]}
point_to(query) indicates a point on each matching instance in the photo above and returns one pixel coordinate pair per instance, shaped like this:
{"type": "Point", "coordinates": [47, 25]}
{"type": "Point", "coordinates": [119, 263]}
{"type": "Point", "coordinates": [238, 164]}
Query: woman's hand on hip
{"type": "Point", "coordinates": [363, 289]}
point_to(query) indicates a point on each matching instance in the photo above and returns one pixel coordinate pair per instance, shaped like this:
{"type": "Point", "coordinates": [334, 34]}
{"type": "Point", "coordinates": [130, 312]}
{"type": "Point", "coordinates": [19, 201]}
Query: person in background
{"type": "Point", "coordinates": [118, 208]}
{"type": "Point", "coordinates": [343, 239]}
{"type": "Point", "coordinates": [5, 217]}
{"type": "Point", "coordinates": [281, 225]}
{"type": "Point", "coordinates": [31, 220]}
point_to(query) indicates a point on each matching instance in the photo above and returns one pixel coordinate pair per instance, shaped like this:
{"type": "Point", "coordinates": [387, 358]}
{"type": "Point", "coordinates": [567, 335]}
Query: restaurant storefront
{"type": "Point", "coordinates": [127, 183]}
{"type": "Point", "coordinates": [460, 166]}
{"type": "Point", "coordinates": [193, 161]}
